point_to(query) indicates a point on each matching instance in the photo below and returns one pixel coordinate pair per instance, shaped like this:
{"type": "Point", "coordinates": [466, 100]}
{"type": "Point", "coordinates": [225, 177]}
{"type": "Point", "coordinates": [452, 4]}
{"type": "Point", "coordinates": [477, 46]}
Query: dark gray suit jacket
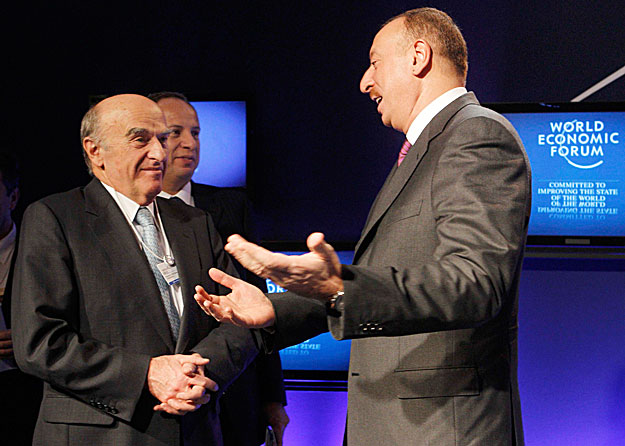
{"type": "Point", "coordinates": [431, 300]}
{"type": "Point", "coordinates": [88, 317]}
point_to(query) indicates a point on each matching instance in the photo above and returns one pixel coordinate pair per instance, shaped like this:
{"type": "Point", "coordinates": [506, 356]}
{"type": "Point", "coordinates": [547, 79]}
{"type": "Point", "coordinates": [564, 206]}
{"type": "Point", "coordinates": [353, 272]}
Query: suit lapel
{"type": "Point", "coordinates": [204, 199]}
{"type": "Point", "coordinates": [119, 244]}
{"type": "Point", "coordinates": [399, 176]}
{"type": "Point", "coordinates": [182, 240]}
{"type": "Point", "coordinates": [371, 218]}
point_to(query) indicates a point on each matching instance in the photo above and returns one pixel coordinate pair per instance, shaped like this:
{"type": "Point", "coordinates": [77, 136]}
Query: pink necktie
{"type": "Point", "coordinates": [403, 152]}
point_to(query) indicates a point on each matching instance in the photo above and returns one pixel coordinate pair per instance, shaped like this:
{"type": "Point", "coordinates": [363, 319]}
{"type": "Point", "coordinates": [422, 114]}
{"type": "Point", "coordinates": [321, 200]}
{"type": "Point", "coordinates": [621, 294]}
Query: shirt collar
{"type": "Point", "coordinates": [430, 111]}
{"type": "Point", "coordinates": [129, 207]}
{"type": "Point", "coordinates": [184, 194]}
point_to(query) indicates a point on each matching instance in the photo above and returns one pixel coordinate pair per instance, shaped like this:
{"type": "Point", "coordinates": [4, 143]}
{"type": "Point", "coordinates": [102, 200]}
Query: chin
{"type": "Point", "coordinates": [150, 195]}
{"type": "Point", "coordinates": [185, 163]}
{"type": "Point", "coordinates": [153, 185]}
{"type": "Point", "coordinates": [184, 170]}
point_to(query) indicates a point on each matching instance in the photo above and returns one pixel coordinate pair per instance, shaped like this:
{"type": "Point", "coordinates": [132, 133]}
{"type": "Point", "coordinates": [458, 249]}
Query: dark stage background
{"type": "Point", "coordinates": [317, 152]}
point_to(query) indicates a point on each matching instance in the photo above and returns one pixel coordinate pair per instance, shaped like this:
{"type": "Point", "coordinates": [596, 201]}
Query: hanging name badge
{"type": "Point", "coordinates": [169, 272]}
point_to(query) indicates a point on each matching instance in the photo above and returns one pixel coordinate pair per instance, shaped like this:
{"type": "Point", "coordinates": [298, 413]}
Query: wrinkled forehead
{"type": "Point", "coordinates": [121, 120]}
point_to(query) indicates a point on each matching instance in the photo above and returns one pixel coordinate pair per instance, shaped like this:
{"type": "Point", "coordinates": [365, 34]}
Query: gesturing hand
{"type": "Point", "coordinates": [315, 274]}
{"type": "Point", "coordinates": [245, 306]}
{"type": "Point", "coordinates": [179, 383]}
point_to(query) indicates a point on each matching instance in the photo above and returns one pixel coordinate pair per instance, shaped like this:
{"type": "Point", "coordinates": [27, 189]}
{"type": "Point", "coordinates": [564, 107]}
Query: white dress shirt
{"type": "Point", "coordinates": [130, 208]}
{"type": "Point", "coordinates": [430, 111]}
{"type": "Point", "coordinates": [184, 194]}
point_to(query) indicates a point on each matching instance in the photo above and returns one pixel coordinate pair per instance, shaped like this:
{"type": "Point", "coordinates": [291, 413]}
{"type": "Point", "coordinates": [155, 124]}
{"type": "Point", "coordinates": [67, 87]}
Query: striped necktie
{"type": "Point", "coordinates": [403, 152]}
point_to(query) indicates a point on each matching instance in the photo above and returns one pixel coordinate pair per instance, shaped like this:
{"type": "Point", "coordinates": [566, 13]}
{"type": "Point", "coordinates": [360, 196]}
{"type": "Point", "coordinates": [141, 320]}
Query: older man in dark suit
{"type": "Point", "coordinates": [431, 299]}
{"type": "Point", "coordinates": [103, 309]}
{"type": "Point", "coordinates": [257, 398]}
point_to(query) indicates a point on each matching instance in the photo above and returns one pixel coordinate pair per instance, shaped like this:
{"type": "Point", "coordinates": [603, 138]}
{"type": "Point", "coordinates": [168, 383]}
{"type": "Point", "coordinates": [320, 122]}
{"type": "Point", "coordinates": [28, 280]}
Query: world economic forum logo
{"type": "Point", "coordinates": [581, 143]}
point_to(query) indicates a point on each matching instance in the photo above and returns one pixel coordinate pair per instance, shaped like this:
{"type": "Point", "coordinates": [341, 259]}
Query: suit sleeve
{"type": "Point", "coordinates": [46, 313]}
{"type": "Point", "coordinates": [297, 319]}
{"type": "Point", "coordinates": [480, 201]}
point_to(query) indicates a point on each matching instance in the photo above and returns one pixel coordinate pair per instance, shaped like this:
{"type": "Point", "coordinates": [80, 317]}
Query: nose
{"type": "Point", "coordinates": [187, 140]}
{"type": "Point", "coordinates": [366, 83]}
{"type": "Point", "coordinates": [157, 151]}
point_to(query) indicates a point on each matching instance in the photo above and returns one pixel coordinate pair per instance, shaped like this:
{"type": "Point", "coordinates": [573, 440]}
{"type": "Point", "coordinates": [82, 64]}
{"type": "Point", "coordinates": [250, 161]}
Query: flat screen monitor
{"type": "Point", "coordinates": [577, 156]}
{"type": "Point", "coordinates": [223, 142]}
{"type": "Point", "coordinates": [321, 357]}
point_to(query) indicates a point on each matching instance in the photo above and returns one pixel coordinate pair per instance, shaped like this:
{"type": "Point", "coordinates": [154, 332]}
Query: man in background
{"type": "Point", "coordinates": [103, 306]}
{"type": "Point", "coordinates": [257, 398]}
{"type": "Point", "coordinates": [20, 394]}
{"type": "Point", "coordinates": [431, 299]}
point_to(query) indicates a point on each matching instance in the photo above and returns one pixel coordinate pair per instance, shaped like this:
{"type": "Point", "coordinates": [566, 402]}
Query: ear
{"type": "Point", "coordinates": [421, 57]}
{"type": "Point", "coordinates": [14, 197]}
{"type": "Point", "coordinates": [93, 150]}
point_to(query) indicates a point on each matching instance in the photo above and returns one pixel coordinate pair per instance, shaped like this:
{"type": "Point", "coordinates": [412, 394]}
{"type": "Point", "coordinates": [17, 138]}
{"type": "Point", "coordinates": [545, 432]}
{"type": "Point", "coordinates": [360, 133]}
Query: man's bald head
{"type": "Point", "coordinates": [123, 138]}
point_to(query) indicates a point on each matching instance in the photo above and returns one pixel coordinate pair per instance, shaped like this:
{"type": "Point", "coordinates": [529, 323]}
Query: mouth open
{"type": "Point", "coordinates": [378, 101]}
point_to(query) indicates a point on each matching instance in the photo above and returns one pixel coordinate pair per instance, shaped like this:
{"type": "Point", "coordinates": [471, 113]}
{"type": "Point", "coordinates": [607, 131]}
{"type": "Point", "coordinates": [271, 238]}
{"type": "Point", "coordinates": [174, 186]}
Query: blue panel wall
{"type": "Point", "coordinates": [572, 356]}
{"type": "Point", "coordinates": [317, 418]}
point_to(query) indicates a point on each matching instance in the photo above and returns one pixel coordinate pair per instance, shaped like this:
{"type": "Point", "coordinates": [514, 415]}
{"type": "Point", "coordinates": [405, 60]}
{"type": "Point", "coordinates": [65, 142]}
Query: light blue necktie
{"type": "Point", "coordinates": [153, 252]}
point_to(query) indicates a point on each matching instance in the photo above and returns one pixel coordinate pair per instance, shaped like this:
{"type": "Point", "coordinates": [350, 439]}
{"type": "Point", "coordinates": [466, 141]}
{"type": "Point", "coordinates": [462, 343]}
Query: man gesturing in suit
{"type": "Point", "coordinates": [103, 309]}
{"type": "Point", "coordinates": [257, 398]}
{"type": "Point", "coordinates": [431, 299]}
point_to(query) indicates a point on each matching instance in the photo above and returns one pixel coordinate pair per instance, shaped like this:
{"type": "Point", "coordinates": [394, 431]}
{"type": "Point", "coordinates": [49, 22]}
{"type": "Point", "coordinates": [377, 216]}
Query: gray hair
{"type": "Point", "coordinates": [90, 127]}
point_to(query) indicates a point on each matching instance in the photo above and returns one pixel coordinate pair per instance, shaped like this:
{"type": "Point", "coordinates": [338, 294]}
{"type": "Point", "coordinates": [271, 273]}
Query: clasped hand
{"type": "Point", "coordinates": [179, 383]}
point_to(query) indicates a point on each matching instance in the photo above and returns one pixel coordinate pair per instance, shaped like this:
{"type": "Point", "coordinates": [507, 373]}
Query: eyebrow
{"type": "Point", "coordinates": [138, 131]}
{"type": "Point", "coordinates": [178, 126]}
